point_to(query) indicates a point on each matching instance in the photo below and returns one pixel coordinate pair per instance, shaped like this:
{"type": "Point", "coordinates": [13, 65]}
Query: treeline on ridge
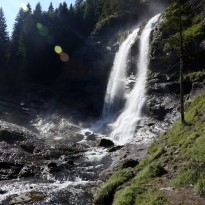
{"type": "Point", "coordinates": [28, 55]}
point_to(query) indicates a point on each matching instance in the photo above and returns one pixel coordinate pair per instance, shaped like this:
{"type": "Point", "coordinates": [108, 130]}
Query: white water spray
{"type": "Point", "coordinates": [116, 86]}
{"type": "Point", "coordinates": [125, 125]}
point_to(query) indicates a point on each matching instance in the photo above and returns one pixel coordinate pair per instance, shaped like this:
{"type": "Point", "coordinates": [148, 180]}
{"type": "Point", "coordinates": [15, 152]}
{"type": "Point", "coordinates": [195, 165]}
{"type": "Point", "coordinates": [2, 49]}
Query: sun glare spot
{"type": "Point", "coordinates": [58, 49]}
{"type": "Point", "coordinates": [39, 26]}
{"type": "Point", "coordinates": [44, 31]}
{"type": "Point", "coordinates": [24, 7]}
{"type": "Point", "coordinates": [64, 57]}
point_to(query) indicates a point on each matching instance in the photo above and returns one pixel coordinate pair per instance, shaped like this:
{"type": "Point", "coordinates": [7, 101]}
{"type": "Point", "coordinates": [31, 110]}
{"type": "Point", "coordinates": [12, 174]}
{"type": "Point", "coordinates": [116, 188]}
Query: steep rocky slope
{"type": "Point", "coordinates": [173, 172]}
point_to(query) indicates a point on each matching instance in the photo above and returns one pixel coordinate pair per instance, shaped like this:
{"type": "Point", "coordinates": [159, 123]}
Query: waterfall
{"type": "Point", "coordinates": [125, 125]}
{"type": "Point", "coordinates": [116, 85]}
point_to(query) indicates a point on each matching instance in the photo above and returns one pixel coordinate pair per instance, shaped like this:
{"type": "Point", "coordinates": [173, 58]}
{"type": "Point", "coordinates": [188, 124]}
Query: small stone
{"type": "Point", "coordinates": [26, 171]}
{"type": "Point", "coordinates": [2, 191]}
{"type": "Point", "coordinates": [87, 133]}
{"type": "Point", "coordinates": [70, 162]}
{"type": "Point", "coordinates": [91, 137]}
{"type": "Point", "coordinates": [51, 165]}
{"type": "Point", "coordinates": [114, 149]}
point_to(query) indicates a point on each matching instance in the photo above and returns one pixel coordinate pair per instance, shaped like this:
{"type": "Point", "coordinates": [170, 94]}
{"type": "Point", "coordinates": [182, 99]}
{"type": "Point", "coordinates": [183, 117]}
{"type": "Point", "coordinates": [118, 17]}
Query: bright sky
{"type": "Point", "coordinates": [11, 8]}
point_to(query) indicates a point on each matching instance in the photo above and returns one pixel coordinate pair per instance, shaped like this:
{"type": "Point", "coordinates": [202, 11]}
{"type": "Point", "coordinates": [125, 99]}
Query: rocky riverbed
{"type": "Point", "coordinates": [53, 161]}
{"type": "Point", "coordinates": [47, 157]}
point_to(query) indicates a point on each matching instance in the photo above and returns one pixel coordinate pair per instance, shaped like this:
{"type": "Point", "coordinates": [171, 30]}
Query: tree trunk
{"type": "Point", "coordinates": [181, 64]}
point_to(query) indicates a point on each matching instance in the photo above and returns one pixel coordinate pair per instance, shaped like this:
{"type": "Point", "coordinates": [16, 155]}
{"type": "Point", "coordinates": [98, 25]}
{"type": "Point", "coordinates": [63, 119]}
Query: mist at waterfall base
{"type": "Point", "coordinates": [123, 126]}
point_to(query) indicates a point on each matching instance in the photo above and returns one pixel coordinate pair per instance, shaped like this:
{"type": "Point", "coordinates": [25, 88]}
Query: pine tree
{"type": "Point", "coordinates": [4, 39]}
{"type": "Point", "coordinates": [37, 11]}
{"type": "Point", "coordinates": [16, 35]}
{"type": "Point", "coordinates": [20, 44]}
{"type": "Point", "coordinates": [181, 64]}
{"type": "Point", "coordinates": [51, 11]}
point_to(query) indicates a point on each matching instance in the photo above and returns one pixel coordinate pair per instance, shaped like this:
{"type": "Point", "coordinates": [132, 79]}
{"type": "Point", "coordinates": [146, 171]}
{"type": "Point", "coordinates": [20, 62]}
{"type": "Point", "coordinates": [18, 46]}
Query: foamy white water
{"type": "Point", "coordinates": [116, 85]}
{"type": "Point", "coordinates": [125, 125]}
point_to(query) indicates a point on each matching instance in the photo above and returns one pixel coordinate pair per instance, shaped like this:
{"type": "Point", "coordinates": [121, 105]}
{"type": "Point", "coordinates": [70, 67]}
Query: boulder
{"type": "Point", "coordinates": [28, 148]}
{"type": "Point", "coordinates": [27, 171]}
{"type": "Point", "coordinates": [130, 163]}
{"type": "Point", "coordinates": [105, 143]}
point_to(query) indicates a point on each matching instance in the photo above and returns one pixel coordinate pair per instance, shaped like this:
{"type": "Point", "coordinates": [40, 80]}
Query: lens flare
{"type": "Point", "coordinates": [24, 7]}
{"type": "Point", "coordinates": [39, 26]}
{"type": "Point", "coordinates": [58, 49]}
{"type": "Point", "coordinates": [64, 57]}
{"type": "Point", "coordinates": [44, 31]}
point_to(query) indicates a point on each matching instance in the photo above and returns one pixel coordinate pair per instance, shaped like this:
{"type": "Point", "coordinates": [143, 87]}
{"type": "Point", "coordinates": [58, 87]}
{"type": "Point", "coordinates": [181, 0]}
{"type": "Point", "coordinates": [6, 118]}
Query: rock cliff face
{"type": "Point", "coordinates": [163, 89]}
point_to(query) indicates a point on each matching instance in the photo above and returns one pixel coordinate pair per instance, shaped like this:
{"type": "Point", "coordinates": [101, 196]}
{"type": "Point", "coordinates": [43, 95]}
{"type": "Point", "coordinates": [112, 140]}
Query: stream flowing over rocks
{"type": "Point", "coordinates": [48, 159]}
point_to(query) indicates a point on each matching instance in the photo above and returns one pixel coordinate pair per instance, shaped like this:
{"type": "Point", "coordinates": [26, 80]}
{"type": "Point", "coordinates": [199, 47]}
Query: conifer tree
{"type": "Point", "coordinates": [20, 43]}
{"type": "Point", "coordinates": [37, 13]}
{"type": "Point", "coordinates": [4, 39]}
{"type": "Point", "coordinates": [181, 64]}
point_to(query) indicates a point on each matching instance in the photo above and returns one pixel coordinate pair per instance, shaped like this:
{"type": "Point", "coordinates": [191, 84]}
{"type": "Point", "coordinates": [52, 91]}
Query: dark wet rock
{"type": "Point", "coordinates": [128, 156]}
{"type": "Point", "coordinates": [150, 124]}
{"type": "Point", "coordinates": [51, 165]}
{"type": "Point", "coordinates": [197, 89]}
{"type": "Point", "coordinates": [105, 143]}
{"type": "Point", "coordinates": [91, 137]}
{"type": "Point", "coordinates": [9, 170]}
{"type": "Point", "coordinates": [27, 171]}
{"type": "Point", "coordinates": [114, 149]}
{"type": "Point", "coordinates": [79, 137]}
{"type": "Point", "coordinates": [168, 87]}
{"type": "Point", "coordinates": [130, 163]}
{"type": "Point", "coordinates": [2, 192]}
{"type": "Point", "coordinates": [6, 165]}
{"type": "Point", "coordinates": [28, 148]}
{"type": "Point", "coordinates": [10, 137]}
{"type": "Point", "coordinates": [70, 162]}
{"type": "Point", "coordinates": [159, 112]}
{"type": "Point", "coordinates": [70, 148]}
{"type": "Point", "coordinates": [87, 133]}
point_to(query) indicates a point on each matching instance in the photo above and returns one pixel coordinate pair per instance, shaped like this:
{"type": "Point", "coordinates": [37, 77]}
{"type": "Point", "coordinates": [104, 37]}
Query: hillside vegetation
{"type": "Point", "coordinates": [174, 172]}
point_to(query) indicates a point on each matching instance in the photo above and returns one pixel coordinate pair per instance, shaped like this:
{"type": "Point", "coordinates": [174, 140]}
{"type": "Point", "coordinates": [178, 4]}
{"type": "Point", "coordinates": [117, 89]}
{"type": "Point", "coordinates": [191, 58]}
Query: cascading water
{"type": "Point", "coordinates": [116, 85]}
{"type": "Point", "coordinates": [125, 125]}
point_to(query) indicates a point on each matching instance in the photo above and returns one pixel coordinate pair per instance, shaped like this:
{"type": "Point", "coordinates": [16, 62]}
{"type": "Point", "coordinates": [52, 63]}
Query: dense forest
{"type": "Point", "coordinates": [28, 55]}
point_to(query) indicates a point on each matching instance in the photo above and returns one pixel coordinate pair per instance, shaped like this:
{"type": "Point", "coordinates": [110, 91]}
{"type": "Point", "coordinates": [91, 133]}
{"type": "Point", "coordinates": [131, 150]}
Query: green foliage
{"type": "Point", "coordinates": [193, 76]}
{"type": "Point", "coordinates": [200, 187]}
{"type": "Point", "coordinates": [127, 195]}
{"type": "Point", "coordinates": [4, 39]}
{"type": "Point", "coordinates": [185, 179]}
{"type": "Point", "coordinates": [184, 157]}
{"type": "Point", "coordinates": [105, 195]}
{"type": "Point", "coordinates": [192, 29]}
{"type": "Point", "coordinates": [150, 171]}
{"type": "Point", "coordinates": [121, 8]}
{"type": "Point", "coordinates": [152, 198]}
